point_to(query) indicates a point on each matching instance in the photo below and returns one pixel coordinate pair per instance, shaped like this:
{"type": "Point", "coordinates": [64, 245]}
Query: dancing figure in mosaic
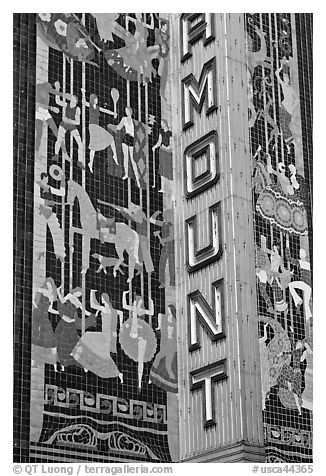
{"type": "Point", "coordinates": [69, 123]}
{"type": "Point", "coordinates": [272, 272]}
{"type": "Point", "coordinates": [162, 38]}
{"type": "Point", "coordinates": [165, 153]}
{"type": "Point", "coordinates": [127, 124]}
{"type": "Point", "coordinates": [93, 349]}
{"type": "Point", "coordinates": [307, 394]}
{"type": "Point", "coordinates": [268, 117]}
{"type": "Point", "coordinates": [43, 116]}
{"type": "Point", "coordinates": [66, 331]}
{"type": "Point", "coordinates": [134, 60]}
{"type": "Point", "coordinates": [304, 283]}
{"type": "Point", "coordinates": [278, 350]}
{"type": "Point", "coordinates": [166, 238]}
{"type": "Point", "coordinates": [136, 337]}
{"type": "Point", "coordinates": [164, 372]}
{"type": "Point", "coordinates": [48, 195]}
{"type": "Point", "coordinates": [100, 139]}
{"type": "Point", "coordinates": [289, 104]}
{"type": "Point", "coordinates": [290, 379]}
{"type": "Point", "coordinates": [44, 343]}
{"type": "Point", "coordinates": [264, 367]}
{"type": "Point", "coordinates": [107, 24]}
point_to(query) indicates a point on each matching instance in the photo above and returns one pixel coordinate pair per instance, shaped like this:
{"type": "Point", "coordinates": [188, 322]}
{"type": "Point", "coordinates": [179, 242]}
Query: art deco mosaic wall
{"type": "Point", "coordinates": [279, 109]}
{"type": "Point", "coordinates": [99, 169]}
{"type": "Point", "coordinates": [103, 357]}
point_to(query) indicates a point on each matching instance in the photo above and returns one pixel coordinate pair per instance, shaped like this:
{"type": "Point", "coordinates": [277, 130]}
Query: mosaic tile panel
{"type": "Point", "coordinates": [278, 98]}
{"type": "Point", "coordinates": [103, 354]}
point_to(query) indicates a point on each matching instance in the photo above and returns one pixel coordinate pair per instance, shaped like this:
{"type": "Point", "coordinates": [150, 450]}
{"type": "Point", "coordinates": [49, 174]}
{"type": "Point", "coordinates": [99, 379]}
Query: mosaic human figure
{"type": "Point", "coordinates": [307, 394]}
{"type": "Point", "coordinates": [69, 123]}
{"type": "Point", "coordinates": [139, 45]}
{"type": "Point", "coordinates": [289, 103]}
{"type": "Point", "coordinates": [162, 41]}
{"type": "Point", "coordinates": [293, 177]}
{"type": "Point", "coordinates": [136, 214]}
{"type": "Point", "coordinates": [136, 337]}
{"type": "Point", "coordinates": [260, 176]}
{"type": "Point", "coordinates": [278, 344]}
{"type": "Point", "coordinates": [107, 24]}
{"type": "Point", "coordinates": [127, 124]}
{"type": "Point", "coordinates": [66, 332]}
{"type": "Point", "coordinates": [47, 196]}
{"type": "Point", "coordinates": [266, 382]}
{"type": "Point", "coordinates": [251, 106]}
{"type": "Point", "coordinates": [265, 113]}
{"type": "Point", "coordinates": [100, 139]}
{"type": "Point", "coordinates": [166, 238]}
{"type": "Point", "coordinates": [262, 273]}
{"type": "Point", "coordinates": [44, 343]}
{"type": "Point", "coordinates": [257, 58]}
{"type": "Point", "coordinates": [135, 58]}
{"type": "Point", "coordinates": [164, 369]}
{"type": "Point", "coordinates": [79, 43]}
{"type": "Point", "coordinates": [94, 348]}
{"type": "Point", "coordinates": [43, 116]}
{"type": "Point", "coordinates": [277, 266]}
{"type": "Point", "coordinates": [141, 33]}
{"type": "Point", "coordinates": [272, 272]}
{"type": "Point", "coordinates": [95, 225]}
{"type": "Point", "coordinates": [290, 379]}
{"type": "Point", "coordinates": [165, 153]}
{"type": "Point", "coordinates": [282, 179]}
{"type": "Point", "coordinates": [304, 284]}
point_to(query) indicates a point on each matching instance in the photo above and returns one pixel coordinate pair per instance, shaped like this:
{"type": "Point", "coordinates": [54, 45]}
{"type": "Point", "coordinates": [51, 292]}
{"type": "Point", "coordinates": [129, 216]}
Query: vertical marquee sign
{"type": "Point", "coordinates": [199, 226]}
{"type": "Point", "coordinates": [218, 350]}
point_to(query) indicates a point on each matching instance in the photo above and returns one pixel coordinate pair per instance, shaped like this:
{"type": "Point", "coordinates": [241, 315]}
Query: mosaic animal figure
{"type": "Point", "coordinates": [106, 262]}
{"type": "Point", "coordinates": [123, 237]}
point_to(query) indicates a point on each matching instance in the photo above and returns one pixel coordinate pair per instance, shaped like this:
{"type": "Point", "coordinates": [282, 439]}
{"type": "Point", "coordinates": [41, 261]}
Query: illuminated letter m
{"type": "Point", "coordinates": [195, 93]}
